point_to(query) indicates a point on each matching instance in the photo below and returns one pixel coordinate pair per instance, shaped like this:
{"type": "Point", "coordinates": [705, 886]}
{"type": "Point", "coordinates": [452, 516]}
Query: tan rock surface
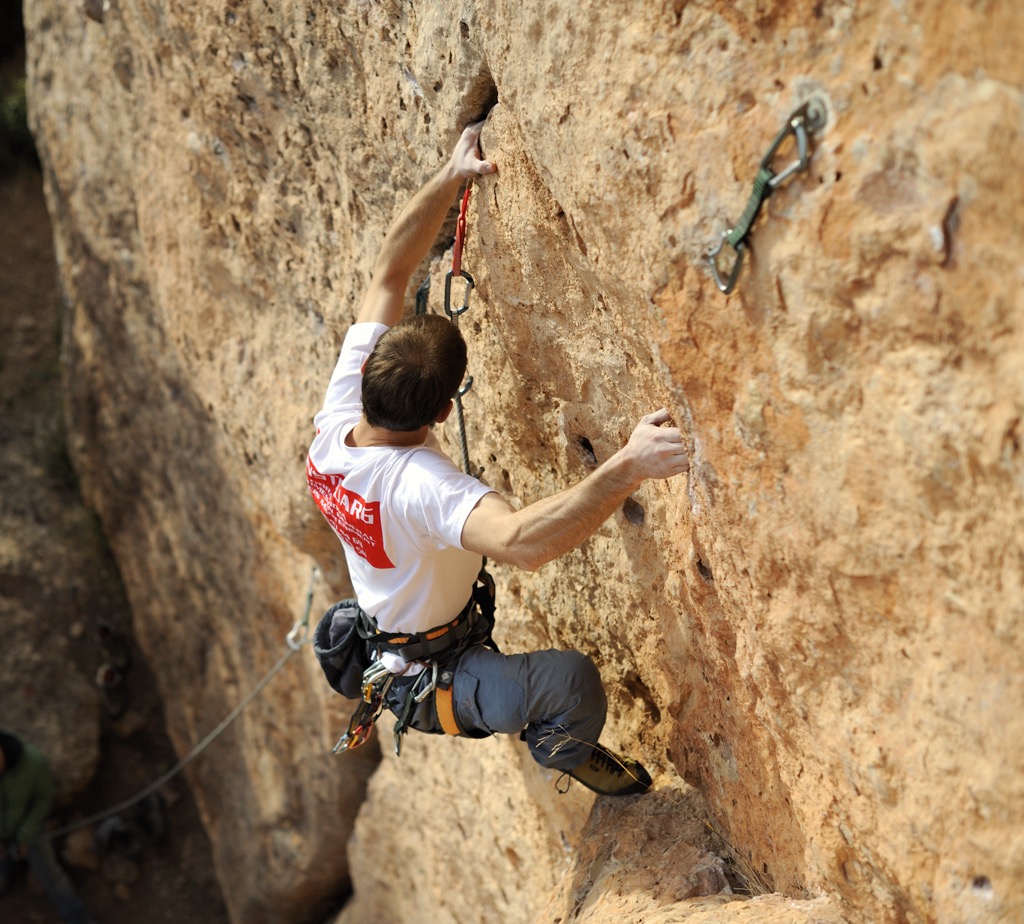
{"type": "Point", "coordinates": [819, 628]}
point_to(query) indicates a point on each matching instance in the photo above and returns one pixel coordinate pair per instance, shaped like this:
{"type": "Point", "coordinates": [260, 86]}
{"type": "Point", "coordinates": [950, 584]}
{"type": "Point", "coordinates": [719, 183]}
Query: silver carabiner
{"type": "Point", "coordinates": [299, 634]}
{"type": "Point", "coordinates": [470, 284]}
{"type": "Point", "coordinates": [429, 688]}
{"type": "Point", "coordinates": [734, 273]}
{"type": "Point", "coordinates": [808, 118]}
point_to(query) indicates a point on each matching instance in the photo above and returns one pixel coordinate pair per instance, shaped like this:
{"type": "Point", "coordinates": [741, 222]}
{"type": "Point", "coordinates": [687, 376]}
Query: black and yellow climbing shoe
{"type": "Point", "coordinates": [609, 774]}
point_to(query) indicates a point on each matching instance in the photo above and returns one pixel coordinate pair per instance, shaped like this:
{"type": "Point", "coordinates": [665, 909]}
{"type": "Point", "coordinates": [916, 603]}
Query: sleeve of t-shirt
{"type": "Point", "coordinates": [436, 498]}
{"type": "Point", "coordinates": [343, 393]}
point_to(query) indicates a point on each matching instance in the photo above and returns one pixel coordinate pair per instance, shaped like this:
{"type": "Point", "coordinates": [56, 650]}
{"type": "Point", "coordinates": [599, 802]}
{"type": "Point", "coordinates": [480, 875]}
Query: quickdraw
{"type": "Point", "coordinates": [297, 637]}
{"type": "Point", "coordinates": [457, 270]}
{"type": "Point", "coordinates": [809, 118]}
{"type": "Point", "coordinates": [453, 314]}
{"type": "Point", "coordinates": [422, 300]}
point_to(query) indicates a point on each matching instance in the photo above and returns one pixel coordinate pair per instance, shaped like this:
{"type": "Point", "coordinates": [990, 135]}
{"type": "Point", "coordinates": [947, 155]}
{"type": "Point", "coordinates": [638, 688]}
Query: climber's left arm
{"type": "Point", "coordinates": [547, 528]}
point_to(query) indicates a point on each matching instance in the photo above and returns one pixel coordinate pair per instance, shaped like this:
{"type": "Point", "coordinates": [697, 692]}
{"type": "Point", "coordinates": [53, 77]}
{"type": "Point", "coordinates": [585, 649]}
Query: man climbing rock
{"type": "Point", "coordinates": [415, 528]}
{"type": "Point", "coordinates": [26, 796]}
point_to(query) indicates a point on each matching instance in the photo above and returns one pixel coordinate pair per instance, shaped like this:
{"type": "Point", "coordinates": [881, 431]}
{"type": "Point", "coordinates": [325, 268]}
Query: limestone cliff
{"type": "Point", "coordinates": [819, 628]}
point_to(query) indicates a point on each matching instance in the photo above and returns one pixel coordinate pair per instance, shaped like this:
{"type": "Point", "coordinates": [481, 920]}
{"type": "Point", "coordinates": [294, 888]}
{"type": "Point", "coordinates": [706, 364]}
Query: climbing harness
{"type": "Point", "coordinates": [809, 118]}
{"type": "Point", "coordinates": [435, 648]}
{"type": "Point", "coordinates": [295, 639]}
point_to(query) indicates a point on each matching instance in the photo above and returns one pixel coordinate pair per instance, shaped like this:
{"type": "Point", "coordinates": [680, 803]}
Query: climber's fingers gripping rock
{"type": "Point", "coordinates": [657, 449]}
{"type": "Point", "coordinates": [466, 157]}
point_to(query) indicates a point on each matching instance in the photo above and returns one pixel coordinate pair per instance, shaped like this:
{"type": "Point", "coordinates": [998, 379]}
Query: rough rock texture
{"type": "Point", "coordinates": [819, 628]}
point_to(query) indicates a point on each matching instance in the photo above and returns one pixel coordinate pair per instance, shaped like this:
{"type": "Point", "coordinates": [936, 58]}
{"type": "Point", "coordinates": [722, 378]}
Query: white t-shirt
{"type": "Point", "coordinates": [399, 512]}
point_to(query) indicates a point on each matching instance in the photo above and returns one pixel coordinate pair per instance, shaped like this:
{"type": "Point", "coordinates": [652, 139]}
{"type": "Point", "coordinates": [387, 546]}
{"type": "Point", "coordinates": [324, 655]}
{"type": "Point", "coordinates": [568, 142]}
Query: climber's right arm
{"type": "Point", "coordinates": [410, 237]}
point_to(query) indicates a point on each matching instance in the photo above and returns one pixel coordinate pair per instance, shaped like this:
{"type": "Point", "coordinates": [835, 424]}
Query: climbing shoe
{"type": "Point", "coordinates": [610, 774]}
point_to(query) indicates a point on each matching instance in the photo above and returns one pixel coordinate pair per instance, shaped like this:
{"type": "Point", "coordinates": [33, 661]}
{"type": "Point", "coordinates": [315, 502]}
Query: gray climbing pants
{"type": "Point", "coordinates": [555, 699]}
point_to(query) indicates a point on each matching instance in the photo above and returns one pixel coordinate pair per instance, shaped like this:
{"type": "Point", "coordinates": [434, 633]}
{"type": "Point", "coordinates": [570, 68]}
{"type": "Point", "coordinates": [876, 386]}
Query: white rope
{"type": "Point", "coordinates": [296, 639]}
{"type": "Point", "coordinates": [184, 762]}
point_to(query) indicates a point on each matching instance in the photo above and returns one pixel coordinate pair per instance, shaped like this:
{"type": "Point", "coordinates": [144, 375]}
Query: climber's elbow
{"type": "Point", "coordinates": [494, 529]}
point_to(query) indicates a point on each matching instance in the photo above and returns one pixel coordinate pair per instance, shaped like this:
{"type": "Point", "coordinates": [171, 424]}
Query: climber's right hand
{"type": "Point", "coordinates": [466, 159]}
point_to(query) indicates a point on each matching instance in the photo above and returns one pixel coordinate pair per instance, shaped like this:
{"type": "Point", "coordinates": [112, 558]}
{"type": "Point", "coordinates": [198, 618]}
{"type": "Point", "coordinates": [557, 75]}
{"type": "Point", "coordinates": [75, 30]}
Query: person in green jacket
{"type": "Point", "coordinates": [26, 796]}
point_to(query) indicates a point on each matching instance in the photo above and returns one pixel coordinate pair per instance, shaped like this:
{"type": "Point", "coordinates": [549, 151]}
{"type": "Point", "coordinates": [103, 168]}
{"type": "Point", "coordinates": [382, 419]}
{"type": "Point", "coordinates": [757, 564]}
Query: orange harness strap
{"type": "Point", "coordinates": [446, 710]}
{"type": "Point", "coordinates": [399, 640]}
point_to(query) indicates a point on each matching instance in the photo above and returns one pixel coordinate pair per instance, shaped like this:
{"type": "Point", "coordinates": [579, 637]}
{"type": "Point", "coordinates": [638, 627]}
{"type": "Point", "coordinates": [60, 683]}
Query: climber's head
{"type": "Point", "coordinates": [413, 373]}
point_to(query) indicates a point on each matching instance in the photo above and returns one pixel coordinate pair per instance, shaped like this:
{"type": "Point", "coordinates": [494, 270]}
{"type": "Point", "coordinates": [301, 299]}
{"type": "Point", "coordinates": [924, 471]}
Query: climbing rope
{"type": "Point", "coordinates": [453, 314]}
{"type": "Point", "coordinates": [295, 639]}
{"type": "Point", "coordinates": [809, 118]}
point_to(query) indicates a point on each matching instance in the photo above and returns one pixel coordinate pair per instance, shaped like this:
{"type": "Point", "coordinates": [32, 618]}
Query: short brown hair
{"type": "Point", "coordinates": [413, 372]}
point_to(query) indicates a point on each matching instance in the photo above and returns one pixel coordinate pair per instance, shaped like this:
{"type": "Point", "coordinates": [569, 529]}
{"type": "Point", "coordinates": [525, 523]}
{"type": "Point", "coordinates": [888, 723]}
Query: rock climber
{"type": "Point", "coordinates": [415, 528]}
{"type": "Point", "coordinates": [26, 796]}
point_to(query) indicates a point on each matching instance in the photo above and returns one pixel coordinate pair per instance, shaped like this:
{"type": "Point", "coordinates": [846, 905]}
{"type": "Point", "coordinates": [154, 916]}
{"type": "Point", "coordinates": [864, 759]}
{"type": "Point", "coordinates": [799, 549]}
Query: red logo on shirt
{"type": "Point", "coordinates": [356, 522]}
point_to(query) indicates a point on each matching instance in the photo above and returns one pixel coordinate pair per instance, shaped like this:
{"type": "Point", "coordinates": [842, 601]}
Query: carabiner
{"type": "Point", "coordinates": [429, 686]}
{"type": "Point", "coordinates": [808, 118]}
{"type": "Point", "coordinates": [448, 293]}
{"type": "Point", "coordinates": [734, 273]}
{"type": "Point", "coordinates": [298, 636]}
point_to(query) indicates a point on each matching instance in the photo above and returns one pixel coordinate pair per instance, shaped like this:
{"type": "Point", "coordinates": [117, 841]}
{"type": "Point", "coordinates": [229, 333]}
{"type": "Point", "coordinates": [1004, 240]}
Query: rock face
{"type": "Point", "coordinates": [819, 628]}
